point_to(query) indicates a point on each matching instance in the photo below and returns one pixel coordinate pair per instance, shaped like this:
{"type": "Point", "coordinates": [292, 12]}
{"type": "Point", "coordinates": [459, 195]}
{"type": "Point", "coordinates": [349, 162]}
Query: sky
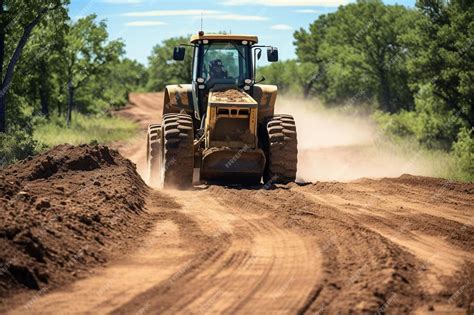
{"type": "Point", "coordinates": [142, 24]}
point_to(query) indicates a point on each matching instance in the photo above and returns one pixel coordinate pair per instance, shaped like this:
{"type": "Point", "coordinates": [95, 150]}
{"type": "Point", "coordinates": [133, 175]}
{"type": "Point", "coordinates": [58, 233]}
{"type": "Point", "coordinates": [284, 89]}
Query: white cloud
{"type": "Point", "coordinates": [309, 11]}
{"type": "Point", "coordinates": [207, 14]}
{"type": "Point", "coordinates": [172, 13]}
{"type": "Point", "coordinates": [145, 23]}
{"type": "Point", "coordinates": [236, 17]}
{"type": "Point", "coordinates": [288, 3]}
{"type": "Point", "coordinates": [281, 27]}
{"type": "Point", "coordinates": [123, 1]}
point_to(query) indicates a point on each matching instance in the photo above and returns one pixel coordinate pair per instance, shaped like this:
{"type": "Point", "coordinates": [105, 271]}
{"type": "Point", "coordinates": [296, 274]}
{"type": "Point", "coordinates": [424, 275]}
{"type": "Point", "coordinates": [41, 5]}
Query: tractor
{"type": "Point", "coordinates": [222, 126]}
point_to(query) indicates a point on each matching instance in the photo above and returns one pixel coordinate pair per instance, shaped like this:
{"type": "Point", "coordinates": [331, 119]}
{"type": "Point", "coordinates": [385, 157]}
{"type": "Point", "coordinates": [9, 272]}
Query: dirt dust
{"type": "Point", "coordinates": [343, 147]}
{"type": "Point", "coordinates": [369, 246]}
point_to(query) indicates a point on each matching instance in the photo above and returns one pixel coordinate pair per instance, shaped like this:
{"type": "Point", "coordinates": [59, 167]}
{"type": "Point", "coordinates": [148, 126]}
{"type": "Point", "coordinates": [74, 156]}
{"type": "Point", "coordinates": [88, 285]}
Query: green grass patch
{"type": "Point", "coordinates": [84, 129]}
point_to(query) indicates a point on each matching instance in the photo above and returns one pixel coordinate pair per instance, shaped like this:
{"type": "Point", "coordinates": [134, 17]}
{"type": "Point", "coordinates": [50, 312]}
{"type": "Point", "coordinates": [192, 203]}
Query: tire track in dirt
{"type": "Point", "coordinates": [361, 269]}
{"type": "Point", "coordinates": [260, 267]}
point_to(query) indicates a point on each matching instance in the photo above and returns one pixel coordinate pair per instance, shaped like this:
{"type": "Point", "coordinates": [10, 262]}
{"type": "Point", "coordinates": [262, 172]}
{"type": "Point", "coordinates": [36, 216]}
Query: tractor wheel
{"type": "Point", "coordinates": [281, 150]}
{"type": "Point", "coordinates": [178, 151]}
{"type": "Point", "coordinates": [154, 153]}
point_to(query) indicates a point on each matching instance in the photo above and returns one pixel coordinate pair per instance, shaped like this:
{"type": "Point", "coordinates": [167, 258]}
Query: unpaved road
{"type": "Point", "coordinates": [393, 246]}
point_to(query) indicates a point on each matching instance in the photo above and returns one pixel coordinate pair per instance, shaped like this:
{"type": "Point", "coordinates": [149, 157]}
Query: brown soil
{"type": "Point", "coordinates": [385, 246]}
{"type": "Point", "coordinates": [64, 210]}
{"type": "Point", "coordinates": [231, 95]}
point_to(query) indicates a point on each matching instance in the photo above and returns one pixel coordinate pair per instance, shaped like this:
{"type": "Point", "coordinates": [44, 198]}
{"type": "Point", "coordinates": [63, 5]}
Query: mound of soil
{"type": "Point", "coordinates": [231, 95]}
{"type": "Point", "coordinates": [63, 210]}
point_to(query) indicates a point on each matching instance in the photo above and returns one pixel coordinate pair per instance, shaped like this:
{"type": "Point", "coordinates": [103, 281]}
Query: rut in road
{"type": "Point", "coordinates": [246, 263]}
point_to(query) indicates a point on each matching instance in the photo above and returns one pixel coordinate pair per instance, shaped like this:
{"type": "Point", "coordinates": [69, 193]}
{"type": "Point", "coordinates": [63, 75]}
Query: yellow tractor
{"type": "Point", "coordinates": [222, 125]}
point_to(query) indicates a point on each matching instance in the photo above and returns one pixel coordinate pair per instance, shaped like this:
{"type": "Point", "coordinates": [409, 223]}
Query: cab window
{"type": "Point", "coordinates": [225, 62]}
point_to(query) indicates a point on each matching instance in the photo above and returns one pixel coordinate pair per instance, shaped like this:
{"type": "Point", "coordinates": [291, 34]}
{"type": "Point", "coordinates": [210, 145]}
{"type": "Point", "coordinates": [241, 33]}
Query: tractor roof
{"type": "Point", "coordinates": [224, 37]}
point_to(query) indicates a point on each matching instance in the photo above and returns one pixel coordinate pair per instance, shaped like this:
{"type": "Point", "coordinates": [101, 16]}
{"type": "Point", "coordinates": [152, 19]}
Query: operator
{"type": "Point", "coordinates": [217, 70]}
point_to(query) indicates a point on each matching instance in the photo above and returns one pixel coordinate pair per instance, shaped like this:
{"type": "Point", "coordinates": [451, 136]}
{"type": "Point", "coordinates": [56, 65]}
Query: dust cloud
{"type": "Point", "coordinates": [341, 147]}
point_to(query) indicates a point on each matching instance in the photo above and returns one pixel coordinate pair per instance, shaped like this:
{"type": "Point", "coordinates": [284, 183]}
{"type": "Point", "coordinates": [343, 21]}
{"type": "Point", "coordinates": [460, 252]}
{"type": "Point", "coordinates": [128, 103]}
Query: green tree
{"type": "Point", "coordinates": [125, 76]}
{"type": "Point", "coordinates": [37, 73]}
{"type": "Point", "coordinates": [290, 76]}
{"type": "Point", "coordinates": [359, 54]}
{"type": "Point", "coordinates": [18, 18]}
{"type": "Point", "coordinates": [308, 44]}
{"type": "Point", "coordinates": [86, 54]}
{"type": "Point", "coordinates": [443, 56]}
{"type": "Point", "coordinates": [164, 70]}
{"type": "Point", "coordinates": [441, 74]}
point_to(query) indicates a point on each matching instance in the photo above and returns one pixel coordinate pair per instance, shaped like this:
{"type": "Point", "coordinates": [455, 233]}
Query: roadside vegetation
{"type": "Point", "coordinates": [60, 79]}
{"type": "Point", "coordinates": [84, 129]}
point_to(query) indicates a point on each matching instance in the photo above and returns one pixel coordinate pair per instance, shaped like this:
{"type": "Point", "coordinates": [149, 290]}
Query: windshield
{"type": "Point", "coordinates": [225, 62]}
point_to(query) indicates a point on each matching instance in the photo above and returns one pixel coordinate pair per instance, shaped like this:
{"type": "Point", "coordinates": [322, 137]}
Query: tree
{"type": "Point", "coordinates": [290, 76]}
{"type": "Point", "coordinates": [86, 54]}
{"type": "Point", "coordinates": [126, 76]}
{"type": "Point", "coordinates": [307, 45]}
{"type": "Point", "coordinates": [18, 17]}
{"type": "Point", "coordinates": [443, 56]}
{"type": "Point", "coordinates": [164, 70]}
{"type": "Point", "coordinates": [359, 54]}
{"type": "Point", "coordinates": [37, 74]}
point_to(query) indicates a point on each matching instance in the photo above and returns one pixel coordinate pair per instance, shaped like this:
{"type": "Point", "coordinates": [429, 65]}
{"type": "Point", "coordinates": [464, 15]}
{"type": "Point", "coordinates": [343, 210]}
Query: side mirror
{"type": "Point", "coordinates": [261, 80]}
{"type": "Point", "coordinates": [259, 54]}
{"type": "Point", "coordinates": [178, 53]}
{"type": "Point", "coordinates": [272, 54]}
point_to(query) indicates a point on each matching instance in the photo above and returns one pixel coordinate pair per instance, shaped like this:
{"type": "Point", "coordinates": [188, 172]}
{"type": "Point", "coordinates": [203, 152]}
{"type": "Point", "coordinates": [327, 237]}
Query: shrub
{"type": "Point", "coordinates": [16, 145]}
{"type": "Point", "coordinates": [463, 150]}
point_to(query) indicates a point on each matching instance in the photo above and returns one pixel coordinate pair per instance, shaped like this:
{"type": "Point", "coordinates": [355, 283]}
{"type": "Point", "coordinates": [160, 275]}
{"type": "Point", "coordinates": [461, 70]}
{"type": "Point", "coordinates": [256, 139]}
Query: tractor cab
{"type": "Point", "coordinates": [222, 62]}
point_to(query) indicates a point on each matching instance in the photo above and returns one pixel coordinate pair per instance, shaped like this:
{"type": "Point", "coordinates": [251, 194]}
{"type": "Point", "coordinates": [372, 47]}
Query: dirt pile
{"type": "Point", "coordinates": [231, 95]}
{"type": "Point", "coordinates": [64, 210]}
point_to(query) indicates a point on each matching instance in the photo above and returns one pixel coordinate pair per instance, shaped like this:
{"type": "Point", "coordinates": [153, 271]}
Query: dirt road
{"type": "Point", "coordinates": [394, 246]}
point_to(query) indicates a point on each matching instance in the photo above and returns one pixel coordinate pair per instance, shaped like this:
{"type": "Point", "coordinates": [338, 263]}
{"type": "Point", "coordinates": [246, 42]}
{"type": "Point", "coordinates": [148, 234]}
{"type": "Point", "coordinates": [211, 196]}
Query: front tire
{"type": "Point", "coordinates": [281, 150]}
{"type": "Point", "coordinates": [154, 154]}
{"type": "Point", "coordinates": [178, 152]}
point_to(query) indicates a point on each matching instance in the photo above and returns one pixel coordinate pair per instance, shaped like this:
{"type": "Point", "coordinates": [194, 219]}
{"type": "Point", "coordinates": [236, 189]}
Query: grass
{"type": "Point", "coordinates": [84, 129]}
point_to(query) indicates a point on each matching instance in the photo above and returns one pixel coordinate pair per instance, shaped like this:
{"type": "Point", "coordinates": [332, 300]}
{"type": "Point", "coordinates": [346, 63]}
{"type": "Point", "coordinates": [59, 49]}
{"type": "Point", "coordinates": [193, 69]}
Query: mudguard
{"type": "Point", "coordinates": [177, 98]}
{"type": "Point", "coordinates": [265, 95]}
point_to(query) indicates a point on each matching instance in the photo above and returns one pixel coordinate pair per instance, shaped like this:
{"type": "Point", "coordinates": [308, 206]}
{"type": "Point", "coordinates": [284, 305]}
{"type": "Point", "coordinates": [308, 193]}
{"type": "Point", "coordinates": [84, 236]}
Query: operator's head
{"type": "Point", "coordinates": [217, 70]}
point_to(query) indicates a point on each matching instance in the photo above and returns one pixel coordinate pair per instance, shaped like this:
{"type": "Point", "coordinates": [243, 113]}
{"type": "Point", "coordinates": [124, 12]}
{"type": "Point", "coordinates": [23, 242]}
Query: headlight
{"type": "Point", "coordinates": [200, 80]}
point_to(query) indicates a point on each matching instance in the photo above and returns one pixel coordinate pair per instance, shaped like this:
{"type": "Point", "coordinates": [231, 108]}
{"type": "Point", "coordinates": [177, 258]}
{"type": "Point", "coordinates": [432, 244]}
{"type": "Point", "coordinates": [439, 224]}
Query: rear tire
{"type": "Point", "coordinates": [178, 151]}
{"type": "Point", "coordinates": [154, 154]}
{"type": "Point", "coordinates": [281, 150]}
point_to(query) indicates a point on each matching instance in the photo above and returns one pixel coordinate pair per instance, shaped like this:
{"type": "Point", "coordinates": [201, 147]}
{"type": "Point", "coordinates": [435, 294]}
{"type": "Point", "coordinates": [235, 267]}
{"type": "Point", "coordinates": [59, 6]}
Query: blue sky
{"type": "Point", "coordinates": [145, 23]}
